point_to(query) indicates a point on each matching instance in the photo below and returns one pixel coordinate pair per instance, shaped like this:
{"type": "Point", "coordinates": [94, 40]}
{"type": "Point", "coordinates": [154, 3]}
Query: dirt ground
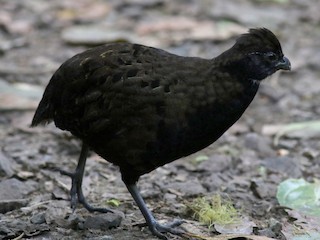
{"type": "Point", "coordinates": [244, 166]}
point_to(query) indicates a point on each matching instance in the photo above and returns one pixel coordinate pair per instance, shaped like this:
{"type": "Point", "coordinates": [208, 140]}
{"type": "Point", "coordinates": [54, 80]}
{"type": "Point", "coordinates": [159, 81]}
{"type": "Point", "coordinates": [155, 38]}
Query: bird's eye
{"type": "Point", "coordinates": [271, 56]}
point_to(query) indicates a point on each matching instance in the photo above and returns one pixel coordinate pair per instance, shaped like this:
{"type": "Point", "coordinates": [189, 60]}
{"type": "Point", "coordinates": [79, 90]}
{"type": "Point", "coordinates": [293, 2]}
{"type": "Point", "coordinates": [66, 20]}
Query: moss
{"type": "Point", "coordinates": [213, 210]}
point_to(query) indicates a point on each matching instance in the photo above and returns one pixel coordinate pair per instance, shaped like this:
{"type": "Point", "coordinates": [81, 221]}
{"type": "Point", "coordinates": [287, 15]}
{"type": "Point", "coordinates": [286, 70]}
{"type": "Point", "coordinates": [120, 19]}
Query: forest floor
{"type": "Point", "coordinates": [244, 165]}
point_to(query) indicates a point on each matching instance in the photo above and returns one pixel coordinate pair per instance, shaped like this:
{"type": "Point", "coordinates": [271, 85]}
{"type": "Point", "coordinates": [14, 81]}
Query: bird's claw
{"type": "Point", "coordinates": [158, 229]}
{"type": "Point", "coordinates": [77, 196]}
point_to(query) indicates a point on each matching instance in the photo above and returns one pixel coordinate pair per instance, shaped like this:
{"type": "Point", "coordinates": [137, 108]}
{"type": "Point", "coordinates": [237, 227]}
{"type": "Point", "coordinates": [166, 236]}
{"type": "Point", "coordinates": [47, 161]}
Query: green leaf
{"type": "Point", "coordinates": [300, 195]}
{"type": "Point", "coordinates": [113, 202]}
{"type": "Point", "coordinates": [201, 158]}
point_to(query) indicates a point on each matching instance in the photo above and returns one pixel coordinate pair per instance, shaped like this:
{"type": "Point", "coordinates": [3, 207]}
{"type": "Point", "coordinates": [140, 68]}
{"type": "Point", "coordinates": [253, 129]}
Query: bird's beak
{"type": "Point", "coordinates": [284, 64]}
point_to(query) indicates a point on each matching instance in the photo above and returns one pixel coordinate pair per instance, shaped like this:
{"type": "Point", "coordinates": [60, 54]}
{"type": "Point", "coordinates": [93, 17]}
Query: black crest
{"type": "Point", "coordinates": [258, 39]}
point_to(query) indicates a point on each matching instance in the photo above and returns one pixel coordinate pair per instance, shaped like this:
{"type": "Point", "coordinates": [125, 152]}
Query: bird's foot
{"type": "Point", "coordinates": [83, 201]}
{"type": "Point", "coordinates": [77, 196]}
{"type": "Point", "coordinates": [158, 229]}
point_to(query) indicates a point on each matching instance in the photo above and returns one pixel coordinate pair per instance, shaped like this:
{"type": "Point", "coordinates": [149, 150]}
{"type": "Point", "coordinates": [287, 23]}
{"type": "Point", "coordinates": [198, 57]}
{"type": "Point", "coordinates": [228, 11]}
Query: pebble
{"type": "Point", "coordinates": [283, 164]}
{"type": "Point", "coordinates": [106, 237]}
{"type": "Point", "coordinates": [259, 144]}
{"type": "Point", "coordinates": [10, 205]}
{"type": "Point", "coordinates": [57, 210]}
{"type": "Point", "coordinates": [93, 35]}
{"type": "Point", "coordinates": [262, 189]}
{"type": "Point", "coordinates": [215, 163]}
{"type": "Point", "coordinates": [6, 165]}
{"type": "Point", "coordinates": [214, 183]}
{"type": "Point", "coordinates": [188, 188]}
{"type": "Point", "coordinates": [310, 153]}
{"type": "Point", "coordinates": [12, 189]}
{"type": "Point", "coordinates": [38, 218]}
{"type": "Point", "coordinates": [103, 221]}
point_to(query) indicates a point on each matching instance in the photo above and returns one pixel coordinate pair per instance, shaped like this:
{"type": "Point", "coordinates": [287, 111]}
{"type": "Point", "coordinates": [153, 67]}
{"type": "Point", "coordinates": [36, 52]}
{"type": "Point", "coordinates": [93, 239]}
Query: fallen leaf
{"type": "Point", "coordinates": [301, 130]}
{"type": "Point", "coordinates": [300, 195]}
{"type": "Point", "coordinates": [305, 227]}
{"type": "Point", "coordinates": [244, 226]}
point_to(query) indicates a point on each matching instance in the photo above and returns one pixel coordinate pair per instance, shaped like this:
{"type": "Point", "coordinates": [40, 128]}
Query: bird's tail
{"type": "Point", "coordinates": [44, 112]}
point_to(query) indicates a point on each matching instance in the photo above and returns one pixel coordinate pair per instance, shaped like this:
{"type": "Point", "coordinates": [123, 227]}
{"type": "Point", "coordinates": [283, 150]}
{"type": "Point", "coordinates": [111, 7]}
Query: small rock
{"type": "Point", "coordinates": [214, 183]}
{"type": "Point", "coordinates": [275, 226]}
{"type": "Point", "coordinates": [283, 164]}
{"type": "Point", "coordinates": [93, 35]}
{"type": "Point", "coordinates": [10, 205]}
{"type": "Point", "coordinates": [17, 97]}
{"type": "Point", "coordinates": [6, 165]}
{"type": "Point", "coordinates": [267, 232]}
{"type": "Point", "coordinates": [38, 218]}
{"type": "Point", "coordinates": [74, 222]}
{"type": "Point", "coordinates": [49, 186]}
{"type": "Point", "coordinates": [103, 222]}
{"type": "Point", "coordinates": [25, 174]}
{"type": "Point", "coordinates": [310, 153]}
{"type": "Point", "coordinates": [283, 152]}
{"type": "Point", "coordinates": [188, 188]}
{"type": "Point", "coordinates": [262, 189]}
{"type": "Point", "coordinates": [169, 196]}
{"type": "Point", "coordinates": [288, 143]}
{"type": "Point", "coordinates": [106, 237]}
{"type": "Point", "coordinates": [238, 128]}
{"type": "Point", "coordinates": [216, 163]}
{"type": "Point", "coordinates": [56, 210]}
{"type": "Point", "coordinates": [12, 189]}
{"type": "Point", "coordinates": [273, 231]}
{"type": "Point", "coordinates": [20, 225]}
{"type": "Point", "coordinates": [258, 144]}
{"type": "Point", "coordinates": [5, 230]}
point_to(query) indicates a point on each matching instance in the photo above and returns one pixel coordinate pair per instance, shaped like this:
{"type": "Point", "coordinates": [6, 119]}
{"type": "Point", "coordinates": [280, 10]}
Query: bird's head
{"type": "Point", "coordinates": [257, 54]}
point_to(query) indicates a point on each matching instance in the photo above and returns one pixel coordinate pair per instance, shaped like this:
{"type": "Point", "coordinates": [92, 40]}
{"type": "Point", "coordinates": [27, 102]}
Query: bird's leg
{"type": "Point", "coordinates": [76, 185]}
{"type": "Point", "coordinates": [156, 228]}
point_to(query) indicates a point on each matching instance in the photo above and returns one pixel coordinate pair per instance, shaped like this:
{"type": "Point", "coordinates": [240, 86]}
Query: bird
{"type": "Point", "coordinates": [141, 107]}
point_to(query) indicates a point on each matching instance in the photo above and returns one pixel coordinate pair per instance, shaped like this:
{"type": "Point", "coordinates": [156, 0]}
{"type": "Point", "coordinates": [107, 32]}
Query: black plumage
{"type": "Point", "coordinates": [140, 107]}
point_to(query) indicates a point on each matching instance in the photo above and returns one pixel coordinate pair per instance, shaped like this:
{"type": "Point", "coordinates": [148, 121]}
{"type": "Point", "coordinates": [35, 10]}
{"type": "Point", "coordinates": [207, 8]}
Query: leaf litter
{"type": "Point", "coordinates": [198, 28]}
